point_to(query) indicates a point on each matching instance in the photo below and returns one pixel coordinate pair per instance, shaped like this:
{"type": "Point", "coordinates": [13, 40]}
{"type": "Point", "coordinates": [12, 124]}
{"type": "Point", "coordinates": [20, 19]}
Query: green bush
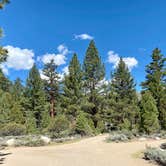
{"type": "Point", "coordinates": [13, 129]}
{"type": "Point", "coordinates": [35, 143]}
{"type": "Point", "coordinates": [120, 136]}
{"type": "Point", "coordinates": [83, 125]}
{"type": "Point", "coordinates": [59, 126]}
{"type": "Point", "coordinates": [155, 154]}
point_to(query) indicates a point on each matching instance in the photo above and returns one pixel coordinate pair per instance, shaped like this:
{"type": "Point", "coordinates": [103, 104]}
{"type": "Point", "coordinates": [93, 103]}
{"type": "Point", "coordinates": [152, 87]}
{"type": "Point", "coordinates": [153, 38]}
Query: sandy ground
{"type": "Point", "coordinates": [87, 152]}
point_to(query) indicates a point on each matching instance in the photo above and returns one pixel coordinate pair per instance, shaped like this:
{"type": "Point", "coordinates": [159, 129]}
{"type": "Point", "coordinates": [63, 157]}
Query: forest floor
{"type": "Point", "coordinates": [92, 151]}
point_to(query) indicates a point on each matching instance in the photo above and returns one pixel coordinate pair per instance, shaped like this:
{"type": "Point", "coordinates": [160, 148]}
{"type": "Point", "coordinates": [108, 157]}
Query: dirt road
{"type": "Point", "coordinates": [88, 152]}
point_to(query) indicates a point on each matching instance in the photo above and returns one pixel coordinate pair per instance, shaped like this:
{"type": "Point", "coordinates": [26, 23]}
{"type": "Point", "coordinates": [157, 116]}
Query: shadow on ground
{"type": "Point", "coordinates": [3, 156]}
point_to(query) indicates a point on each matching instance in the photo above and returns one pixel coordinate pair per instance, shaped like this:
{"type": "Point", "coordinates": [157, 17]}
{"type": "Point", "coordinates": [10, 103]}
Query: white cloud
{"type": "Point", "coordinates": [18, 59]}
{"type": "Point", "coordinates": [63, 49]}
{"type": "Point", "coordinates": [114, 59]}
{"type": "Point", "coordinates": [42, 75]}
{"type": "Point", "coordinates": [65, 70]}
{"type": "Point", "coordinates": [84, 37]}
{"type": "Point", "coordinates": [130, 62]}
{"type": "Point", "coordinates": [4, 69]}
{"type": "Point", "coordinates": [59, 58]}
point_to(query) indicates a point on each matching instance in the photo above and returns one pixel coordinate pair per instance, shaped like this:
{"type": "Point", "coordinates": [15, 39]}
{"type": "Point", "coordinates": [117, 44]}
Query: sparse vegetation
{"type": "Point", "coordinates": [156, 155]}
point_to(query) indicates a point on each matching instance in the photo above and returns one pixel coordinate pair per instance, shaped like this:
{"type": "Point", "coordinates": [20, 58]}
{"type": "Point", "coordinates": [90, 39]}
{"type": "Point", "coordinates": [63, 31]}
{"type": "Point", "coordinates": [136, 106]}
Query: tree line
{"type": "Point", "coordinates": [82, 103]}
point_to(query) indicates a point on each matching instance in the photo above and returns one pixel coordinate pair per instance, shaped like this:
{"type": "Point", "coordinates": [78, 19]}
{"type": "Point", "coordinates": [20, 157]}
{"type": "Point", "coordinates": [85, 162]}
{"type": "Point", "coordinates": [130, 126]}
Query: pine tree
{"type": "Point", "coordinates": [155, 82]}
{"type": "Point", "coordinates": [35, 97]}
{"type": "Point", "coordinates": [123, 98]}
{"type": "Point", "coordinates": [93, 73]}
{"type": "Point", "coordinates": [149, 114]}
{"type": "Point", "coordinates": [16, 114]}
{"type": "Point", "coordinates": [3, 3]}
{"type": "Point", "coordinates": [73, 91]}
{"type": "Point", "coordinates": [3, 52]}
{"type": "Point", "coordinates": [17, 90]}
{"type": "Point", "coordinates": [5, 83]}
{"type": "Point", "coordinates": [5, 107]}
{"type": "Point", "coordinates": [51, 85]}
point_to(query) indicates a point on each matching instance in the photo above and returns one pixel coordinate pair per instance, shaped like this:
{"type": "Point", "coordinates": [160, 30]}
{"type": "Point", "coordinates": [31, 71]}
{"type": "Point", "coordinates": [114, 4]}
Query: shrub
{"type": "Point", "coordinates": [120, 136]}
{"type": "Point", "coordinates": [59, 126]}
{"type": "Point", "coordinates": [155, 154]}
{"type": "Point", "coordinates": [83, 125]}
{"type": "Point", "coordinates": [13, 129]}
{"type": "Point", "coordinates": [35, 143]}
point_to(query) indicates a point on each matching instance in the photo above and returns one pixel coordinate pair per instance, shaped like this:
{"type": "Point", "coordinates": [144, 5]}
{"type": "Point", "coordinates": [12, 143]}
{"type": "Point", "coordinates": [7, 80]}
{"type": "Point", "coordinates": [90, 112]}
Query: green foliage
{"type": "Point", "coordinates": [73, 91]}
{"type": "Point", "coordinates": [94, 72]}
{"type": "Point", "coordinates": [3, 3]}
{"type": "Point", "coordinates": [35, 97]}
{"type": "Point", "coordinates": [5, 83]}
{"type": "Point", "coordinates": [35, 143]}
{"type": "Point", "coordinates": [5, 107]}
{"type": "Point", "coordinates": [155, 154]}
{"type": "Point", "coordinates": [84, 126]}
{"type": "Point", "coordinates": [58, 125]}
{"type": "Point", "coordinates": [13, 129]}
{"type": "Point", "coordinates": [149, 114]}
{"type": "Point", "coordinates": [120, 136]}
{"type": "Point", "coordinates": [123, 98]}
{"type": "Point", "coordinates": [30, 122]}
{"type": "Point", "coordinates": [155, 83]}
{"type": "Point", "coordinates": [51, 85]}
{"type": "Point", "coordinates": [16, 114]}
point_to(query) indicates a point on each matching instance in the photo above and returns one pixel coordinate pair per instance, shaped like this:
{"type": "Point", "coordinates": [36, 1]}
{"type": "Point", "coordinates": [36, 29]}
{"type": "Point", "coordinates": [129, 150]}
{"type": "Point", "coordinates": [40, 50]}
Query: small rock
{"type": "Point", "coordinates": [142, 139]}
{"type": "Point", "coordinates": [157, 138]}
{"type": "Point", "coordinates": [45, 139]}
{"type": "Point", "coordinates": [10, 142]}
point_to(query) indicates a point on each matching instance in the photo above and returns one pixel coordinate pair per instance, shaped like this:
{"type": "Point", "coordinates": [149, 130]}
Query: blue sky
{"type": "Point", "coordinates": [129, 28]}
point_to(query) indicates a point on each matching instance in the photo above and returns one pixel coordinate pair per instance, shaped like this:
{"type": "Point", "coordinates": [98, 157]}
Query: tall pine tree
{"type": "Point", "coordinates": [35, 97]}
{"type": "Point", "coordinates": [93, 73]}
{"type": "Point", "coordinates": [51, 85]}
{"type": "Point", "coordinates": [123, 98]}
{"type": "Point", "coordinates": [155, 83]}
{"type": "Point", "coordinates": [73, 91]}
{"type": "Point", "coordinates": [149, 114]}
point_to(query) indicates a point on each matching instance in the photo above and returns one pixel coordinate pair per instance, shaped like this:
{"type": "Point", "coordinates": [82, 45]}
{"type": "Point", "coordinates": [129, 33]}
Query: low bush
{"type": "Point", "coordinates": [120, 136]}
{"type": "Point", "coordinates": [34, 143]}
{"type": "Point", "coordinates": [59, 127]}
{"type": "Point", "coordinates": [12, 129]}
{"type": "Point", "coordinates": [155, 154]}
{"type": "Point", "coordinates": [84, 125]}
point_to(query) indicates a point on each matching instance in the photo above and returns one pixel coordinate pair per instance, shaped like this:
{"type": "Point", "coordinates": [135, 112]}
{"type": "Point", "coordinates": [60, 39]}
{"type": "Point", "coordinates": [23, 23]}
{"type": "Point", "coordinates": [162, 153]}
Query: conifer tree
{"type": "Point", "coordinates": [5, 83]}
{"type": "Point", "coordinates": [3, 52]}
{"type": "Point", "coordinates": [17, 90]}
{"type": "Point", "coordinates": [5, 107]}
{"type": "Point", "coordinates": [155, 83]}
{"type": "Point", "coordinates": [35, 97]}
{"type": "Point", "coordinates": [73, 91]}
{"type": "Point", "coordinates": [93, 73]}
{"type": "Point", "coordinates": [51, 85]}
{"type": "Point", "coordinates": [149, 114]}
{"type": "Point", "coordinates": [124, 99]}
{"type": "Point", "coordinates": [3, 3]}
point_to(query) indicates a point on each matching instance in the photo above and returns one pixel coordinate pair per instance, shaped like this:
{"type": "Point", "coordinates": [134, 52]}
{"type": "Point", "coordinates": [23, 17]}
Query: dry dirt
{"type": "Point", "coordinates": [87, 152]}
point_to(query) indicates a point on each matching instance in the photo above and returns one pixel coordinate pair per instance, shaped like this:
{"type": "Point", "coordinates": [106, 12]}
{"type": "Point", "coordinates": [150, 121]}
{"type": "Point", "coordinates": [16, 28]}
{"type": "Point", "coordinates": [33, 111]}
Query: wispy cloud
{"type": "Point", "coordinates": [83, 36]}
{"type": "Point", "coordinates": [114, 58]}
